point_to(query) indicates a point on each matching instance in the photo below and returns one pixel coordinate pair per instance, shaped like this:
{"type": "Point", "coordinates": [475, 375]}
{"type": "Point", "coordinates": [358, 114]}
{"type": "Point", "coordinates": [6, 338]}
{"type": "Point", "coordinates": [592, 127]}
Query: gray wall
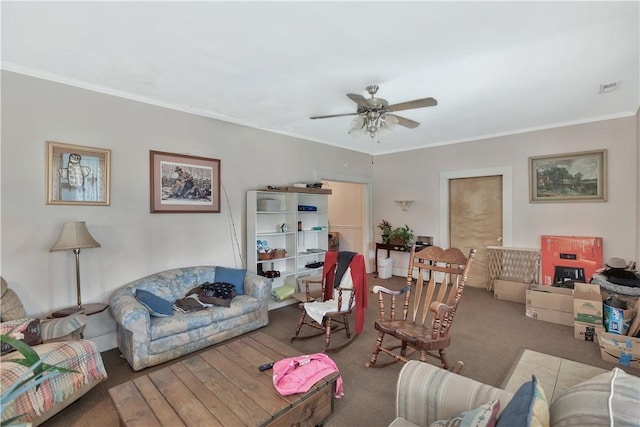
{"type": "Point", "coordinates": [134, 242]}
{"type": "Point", "coordinates": [418, 172]}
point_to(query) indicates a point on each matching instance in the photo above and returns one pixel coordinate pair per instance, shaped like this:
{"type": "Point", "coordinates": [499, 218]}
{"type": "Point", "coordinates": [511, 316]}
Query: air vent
{"type": "Point", "coordinates": [609, 87]}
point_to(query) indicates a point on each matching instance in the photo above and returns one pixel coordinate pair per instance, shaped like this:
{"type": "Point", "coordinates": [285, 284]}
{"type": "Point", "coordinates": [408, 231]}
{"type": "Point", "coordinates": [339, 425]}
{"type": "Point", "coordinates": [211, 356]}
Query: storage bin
{"type": "Point", "coordinates": [385, 265]}
{"type": "Point", "coordinates": [269, 205]}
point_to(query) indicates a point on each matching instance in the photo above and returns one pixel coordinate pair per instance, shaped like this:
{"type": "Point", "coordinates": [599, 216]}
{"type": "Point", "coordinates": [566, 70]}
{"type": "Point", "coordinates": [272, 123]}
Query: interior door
{"type": "Point", "coordinates": [475, 220]}
{"type": "Point", "coordinates": [346, 214]}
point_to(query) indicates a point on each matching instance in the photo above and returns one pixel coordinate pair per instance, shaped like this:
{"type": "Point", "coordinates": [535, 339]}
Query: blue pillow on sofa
{"type": "Point", "coordinates": [235, 276]}
{"type": "Point", "coordinates": [157, 306]}
{"type": "Point", "coordinates": [527, 408]}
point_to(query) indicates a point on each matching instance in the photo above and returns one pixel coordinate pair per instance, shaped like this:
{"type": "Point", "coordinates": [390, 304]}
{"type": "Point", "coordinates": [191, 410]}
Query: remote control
{"type": "Point", "coordinates": [266, 366]}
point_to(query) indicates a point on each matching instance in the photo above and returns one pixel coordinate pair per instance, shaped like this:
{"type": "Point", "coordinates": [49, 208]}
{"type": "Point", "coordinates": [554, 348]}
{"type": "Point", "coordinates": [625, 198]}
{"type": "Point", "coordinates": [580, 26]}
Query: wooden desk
{"type": "Point", "coordinates": [222, 386]}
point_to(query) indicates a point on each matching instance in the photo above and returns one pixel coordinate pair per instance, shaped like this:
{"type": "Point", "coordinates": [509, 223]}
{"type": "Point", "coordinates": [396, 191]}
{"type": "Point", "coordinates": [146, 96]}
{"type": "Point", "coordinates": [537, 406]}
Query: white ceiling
{"type": "Point", "coordinates": [495, 68]}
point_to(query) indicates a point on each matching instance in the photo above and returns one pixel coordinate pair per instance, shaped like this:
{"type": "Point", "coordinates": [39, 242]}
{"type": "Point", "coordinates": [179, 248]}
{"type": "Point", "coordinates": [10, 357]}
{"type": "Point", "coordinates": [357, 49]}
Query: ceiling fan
{"type": "Point", "coordinates": [376, 113]}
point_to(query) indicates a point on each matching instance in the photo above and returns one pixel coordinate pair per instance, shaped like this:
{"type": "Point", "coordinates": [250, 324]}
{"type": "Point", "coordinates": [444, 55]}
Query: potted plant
{"type": "Point", "coordinates": [401, 236]}
{"type": "Point", "coordinates": [385, 229]}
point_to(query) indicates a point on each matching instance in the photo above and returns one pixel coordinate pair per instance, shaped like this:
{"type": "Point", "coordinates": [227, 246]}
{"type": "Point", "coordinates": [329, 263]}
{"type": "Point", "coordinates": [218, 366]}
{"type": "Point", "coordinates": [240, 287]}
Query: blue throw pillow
{"type": "Point", "coordinates": [527, 408]}
{"type": "Point", "coordinates": [157, 306]}
{"type": "Point", "coordinates": [235, 276]}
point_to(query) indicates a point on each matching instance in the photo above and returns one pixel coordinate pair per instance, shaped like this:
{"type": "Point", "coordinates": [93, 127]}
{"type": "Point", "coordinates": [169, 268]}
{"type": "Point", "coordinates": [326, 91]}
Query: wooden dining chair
{"type": "Point", "coordinates": [428, 305]}
{"type": "Point", "coordinates": [326, 308]}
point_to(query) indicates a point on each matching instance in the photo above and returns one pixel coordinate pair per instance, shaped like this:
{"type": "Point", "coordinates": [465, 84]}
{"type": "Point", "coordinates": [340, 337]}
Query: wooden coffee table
{"type": "Point", "coordinates": [222, 386]}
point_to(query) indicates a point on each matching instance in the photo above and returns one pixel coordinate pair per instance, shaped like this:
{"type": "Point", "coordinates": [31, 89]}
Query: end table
{"type": "Point", "coordinates": [87, 309]}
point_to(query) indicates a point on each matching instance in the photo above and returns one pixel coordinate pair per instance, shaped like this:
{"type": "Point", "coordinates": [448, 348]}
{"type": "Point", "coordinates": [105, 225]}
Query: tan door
{"type": "Point", "coordinates": [475, 220]}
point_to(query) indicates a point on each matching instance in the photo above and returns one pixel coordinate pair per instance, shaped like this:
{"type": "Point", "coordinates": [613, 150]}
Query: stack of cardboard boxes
{"type": "Point", "coordinates": [582, 308]}
{"type": "Point", "coordinates": [565, 262]}
{"type": "Point", "coordinates": [587, 311]}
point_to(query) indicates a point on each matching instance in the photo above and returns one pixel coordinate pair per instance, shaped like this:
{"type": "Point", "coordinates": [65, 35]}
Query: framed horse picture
{"type": "Point", "coordinates": [184, 184]}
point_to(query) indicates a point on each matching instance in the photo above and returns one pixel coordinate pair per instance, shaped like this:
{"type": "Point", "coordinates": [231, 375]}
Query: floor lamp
{"type": "Point", "coordinates": [74, 236]}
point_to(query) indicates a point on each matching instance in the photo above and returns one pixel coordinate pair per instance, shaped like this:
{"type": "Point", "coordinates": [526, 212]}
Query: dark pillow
{"type": "Point", "coordinates": [235, 276]}
{"type": "Point", "coordinates": [157, 306]}
{"type": "Point", "coordinates": [218, 293]}
{"type": "Point", "coordinates": [26, 330]}
{"type": "Point", "coordinates": [527, 408]}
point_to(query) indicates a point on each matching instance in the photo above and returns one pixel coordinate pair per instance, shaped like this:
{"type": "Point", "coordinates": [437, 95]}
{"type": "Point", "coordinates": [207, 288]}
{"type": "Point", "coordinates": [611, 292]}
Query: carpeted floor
{"type": "Point", "coordinates": [488, 335]}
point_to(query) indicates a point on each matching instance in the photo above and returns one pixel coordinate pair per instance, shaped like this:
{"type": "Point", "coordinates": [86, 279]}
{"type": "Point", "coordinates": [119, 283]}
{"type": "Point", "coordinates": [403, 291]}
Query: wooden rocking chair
{"type": "Point", "coordinates": [428, 307]}
{"type": "Point", "coordinates": [336, 304]}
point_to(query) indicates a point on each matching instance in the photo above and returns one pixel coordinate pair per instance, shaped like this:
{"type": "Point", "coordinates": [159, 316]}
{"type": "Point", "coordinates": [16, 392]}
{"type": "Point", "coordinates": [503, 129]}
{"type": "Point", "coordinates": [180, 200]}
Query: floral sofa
{"type": "Point", "coordinates": [427, 395]}
{"type": "Point", "coordinates": [146, 340]}
{"type": "Point", "coordinates": [57, 342]}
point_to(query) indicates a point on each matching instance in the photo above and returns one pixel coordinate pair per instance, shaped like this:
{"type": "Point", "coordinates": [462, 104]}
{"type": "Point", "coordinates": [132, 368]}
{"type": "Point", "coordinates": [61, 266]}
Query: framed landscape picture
{"type": "Point", "coordinates": [77, 175]}
{"type": "Point", "coordinates": [571, 177]}
{"type": "Point", "coordinates": [184, 184]}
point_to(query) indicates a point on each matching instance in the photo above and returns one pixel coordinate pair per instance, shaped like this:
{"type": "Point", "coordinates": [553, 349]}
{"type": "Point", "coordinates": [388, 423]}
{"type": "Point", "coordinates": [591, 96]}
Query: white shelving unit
{"type": "Point", "coordinates": [303, 246]}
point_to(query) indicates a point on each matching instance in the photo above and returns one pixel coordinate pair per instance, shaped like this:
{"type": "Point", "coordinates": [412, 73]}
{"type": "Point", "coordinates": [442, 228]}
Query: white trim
{"type": "Point", "coordinates": [104, 342]}
{"type": "Point", "coordinates": [507, 199]}
{"type": "Point", "coordinates": [45, 75]}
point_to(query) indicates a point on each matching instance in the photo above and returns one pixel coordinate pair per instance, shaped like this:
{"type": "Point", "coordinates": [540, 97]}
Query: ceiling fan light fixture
{"type": "Point", "coordinates": [373, 115]}
{"type": "Point", "coordinates": [357, 125]}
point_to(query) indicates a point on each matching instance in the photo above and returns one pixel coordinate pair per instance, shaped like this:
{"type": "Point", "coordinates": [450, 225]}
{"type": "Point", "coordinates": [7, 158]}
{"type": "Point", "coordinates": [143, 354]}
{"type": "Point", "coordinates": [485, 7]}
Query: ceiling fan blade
{"type": "Point", "coordinates": [333, 115]}
{"type": "Point", "coordinates": [417, 103]}
{"type": "Point", "coordinates": [358, 99]}
{"type": "Point", "coordinates": [408, 123]}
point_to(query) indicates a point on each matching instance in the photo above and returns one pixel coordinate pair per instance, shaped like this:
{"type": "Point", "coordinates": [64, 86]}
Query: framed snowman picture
{"type": "Point", "coordinates": [77, 175]}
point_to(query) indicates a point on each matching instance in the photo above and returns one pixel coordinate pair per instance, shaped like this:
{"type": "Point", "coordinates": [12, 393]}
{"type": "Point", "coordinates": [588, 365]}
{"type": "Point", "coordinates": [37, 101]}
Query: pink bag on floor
{"type": "Point", "coordinates": [298, 374]}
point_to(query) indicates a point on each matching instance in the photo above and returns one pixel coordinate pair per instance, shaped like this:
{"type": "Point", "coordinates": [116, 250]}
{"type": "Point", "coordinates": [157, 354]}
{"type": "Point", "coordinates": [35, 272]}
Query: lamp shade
{"type": "Point", "coordinates": [74, 235]}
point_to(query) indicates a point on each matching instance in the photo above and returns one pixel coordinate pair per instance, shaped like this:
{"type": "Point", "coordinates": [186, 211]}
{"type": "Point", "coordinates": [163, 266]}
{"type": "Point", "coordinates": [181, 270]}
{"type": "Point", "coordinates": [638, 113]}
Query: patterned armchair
{"type": "Point", "coordinates": [57, 342]}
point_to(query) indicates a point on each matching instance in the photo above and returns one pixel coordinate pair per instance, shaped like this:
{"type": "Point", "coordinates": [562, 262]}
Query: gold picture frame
{"type": "Point", "coordinates": [77, 175]}
{"type": "Point", "coordinates": [570, 177]}
{"type": "Point", "coordinates": [184, 184]}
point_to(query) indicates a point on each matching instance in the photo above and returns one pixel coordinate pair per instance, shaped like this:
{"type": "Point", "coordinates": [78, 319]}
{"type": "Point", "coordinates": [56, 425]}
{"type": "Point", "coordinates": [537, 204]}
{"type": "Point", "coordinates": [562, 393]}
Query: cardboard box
{"type": "Point", "coordinates": [549, 297]}
{"type": "Point", "coordinates": [506, 290]}
{"type": "Point", "coordinates": [553, 316]}
{"type": "Point", "coordinates": [587, 304]}
{"type": "Point", "coordinates": [587, 331]}
{"type": "Point", "coordinates": [550, 304]}
{"type": "Point", "coordinates": [620, 349]}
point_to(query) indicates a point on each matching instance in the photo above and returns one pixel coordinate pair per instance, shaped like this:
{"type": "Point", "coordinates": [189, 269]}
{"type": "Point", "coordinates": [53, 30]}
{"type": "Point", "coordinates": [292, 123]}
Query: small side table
{"type": "Point", "coordinates": [87, 309]}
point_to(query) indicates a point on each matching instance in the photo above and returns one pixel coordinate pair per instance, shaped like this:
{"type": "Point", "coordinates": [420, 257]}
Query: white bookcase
{"type": "Point", "coordinates": [304, 235]}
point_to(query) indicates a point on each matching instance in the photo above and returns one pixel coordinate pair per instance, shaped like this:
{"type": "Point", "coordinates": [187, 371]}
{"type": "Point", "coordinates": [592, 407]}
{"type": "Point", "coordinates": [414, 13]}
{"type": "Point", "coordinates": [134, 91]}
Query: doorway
{"type": "Point", "coordinates": [348, 213]}
{"type": "Point", "coordinates": [490, 180]}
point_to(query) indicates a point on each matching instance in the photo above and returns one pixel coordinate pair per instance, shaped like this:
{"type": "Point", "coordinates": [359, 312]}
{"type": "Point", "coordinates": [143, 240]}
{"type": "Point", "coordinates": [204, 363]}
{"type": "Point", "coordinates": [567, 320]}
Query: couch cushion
{"type": "Point", "coordinates": [527, 408]}
{"type": "Point", "coordinates": [81, 356]}
{"type": "Point", "coordinates": [587, 404]}
{"type": "Point", "coordinates": [157, 306]}
{"type": "Point", "coordinates": [182, 322]}
{"type": "Point", "coordinates": [63, 328]}
{"type": "Point", "coordinates": [235, 276]}
{"type": "Point", "coordinates": [482, 416]}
